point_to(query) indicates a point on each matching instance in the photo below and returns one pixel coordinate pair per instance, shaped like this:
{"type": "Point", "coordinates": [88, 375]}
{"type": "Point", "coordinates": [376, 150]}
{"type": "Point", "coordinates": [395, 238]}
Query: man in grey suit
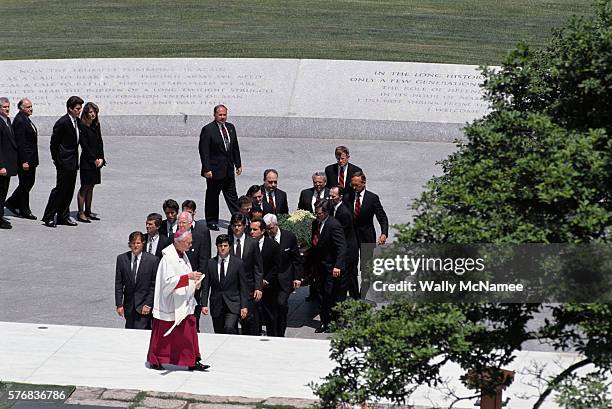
{"type": "Point", "coordinates": [135, 284]}
{"type": "Point", "coordinates": [227, 287]}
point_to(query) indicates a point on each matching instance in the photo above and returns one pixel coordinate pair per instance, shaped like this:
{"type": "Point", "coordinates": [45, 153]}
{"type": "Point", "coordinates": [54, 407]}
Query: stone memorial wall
{"type": "Point", "coordinates": [269, 97]}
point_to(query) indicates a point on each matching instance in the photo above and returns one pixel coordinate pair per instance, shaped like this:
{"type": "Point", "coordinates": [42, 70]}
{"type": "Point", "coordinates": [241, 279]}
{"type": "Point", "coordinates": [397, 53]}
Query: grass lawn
{"type": "Point", "coordinates": [453, 31]}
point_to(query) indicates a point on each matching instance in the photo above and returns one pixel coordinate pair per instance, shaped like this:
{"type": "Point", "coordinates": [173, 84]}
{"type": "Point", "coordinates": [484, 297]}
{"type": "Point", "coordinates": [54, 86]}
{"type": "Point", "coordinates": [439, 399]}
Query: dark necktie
{"type": "Point", "coordinates": [222, 275]}
{"type": "Point", "coordinates": [8, 121]}
{"type": "Point", "coordinates": [316, 235]}
{"type": "Point", "coordinates": [226, 140]}
{"type": "Point", "coordinates": [357, 206]}
{"type": "Point", "coordinates": [150, 250]}
{"type": "Point", "coordinates": [341, 176]}
{"type": "Point", "coordinates": [238, 249]}
{"type": "Point", "coordinates": [134, 268]}
{"type": "Point", "coordinates": [271, 202]}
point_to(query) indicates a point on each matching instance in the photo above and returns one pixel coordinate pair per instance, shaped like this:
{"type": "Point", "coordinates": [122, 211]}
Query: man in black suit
{"type": "Point", "coordinates": [65, 155]}
{"type": "Point", "coordinates": [220, 155]}
{"type": "Point", "coordinates": [246, 204]}
{"type": "Point", "coordinates": [245, 248]}
{"type": "Point", "coordinates": [135, 284]}
{"type": "Point", "coordinates": [340, 173]}
{"type": "Point", "coordinates": [8, 157]}
{"type": "Point", "coordinates": [274, 200]}
{"type": "Point", "coordinates": [199, 254]}
{"type": "Point", "coordinates": [227, 286]}
{"type": "Point", "coordinates": [342, 213]}
{"type": "Point", "coordinates": [169, 225]}
{"type": "Point", "coordinates": [154, 242]}
{"type": "Point", "coordinates": [365, 205]}
{"type": "Point", "coordinates": [329, 252]}
{"type": "Point", "coordinates": [270, 255]}
{"type": "Point", "coordinates": [318, 191]}
{"type": "Point", "coordinates": [26, 136]}
{"type": "Point", "coordinates": [290, 271]}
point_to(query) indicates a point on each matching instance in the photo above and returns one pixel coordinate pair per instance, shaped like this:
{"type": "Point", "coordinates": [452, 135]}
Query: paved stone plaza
{"type": "Point", "coordinates": [66, 275]}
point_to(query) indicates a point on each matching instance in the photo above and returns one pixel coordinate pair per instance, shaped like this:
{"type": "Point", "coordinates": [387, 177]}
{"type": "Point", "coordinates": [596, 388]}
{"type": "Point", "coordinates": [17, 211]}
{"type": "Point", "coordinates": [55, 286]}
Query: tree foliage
{"type": "Point", "coordinates": [536, 169]}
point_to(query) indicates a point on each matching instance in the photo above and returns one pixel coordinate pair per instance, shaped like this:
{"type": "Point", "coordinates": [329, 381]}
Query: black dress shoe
{"type": "Point", "coordinates": [199, 367]}
{"type": "Point", "coordinates": [322, 328]}
{"type": "Point", "coordinates": [49, 223]}
{"type": "Point", "coordinates": [67, 222]}
{"type": "Point", "coordinates": [213, 226]}
{"type": "Point", "coordinates": [28, 216]}
{"type": "Point", "coordinates": [5, 225]}
{"type": "Point", "coordinates": [156, 367]}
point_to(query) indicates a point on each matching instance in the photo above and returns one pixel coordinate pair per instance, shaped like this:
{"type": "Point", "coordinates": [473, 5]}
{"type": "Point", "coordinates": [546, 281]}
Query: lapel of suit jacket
{"type": "Point", "coordinates": [11, 135]}
{"type": "Point", "coordinates": [128, 262]}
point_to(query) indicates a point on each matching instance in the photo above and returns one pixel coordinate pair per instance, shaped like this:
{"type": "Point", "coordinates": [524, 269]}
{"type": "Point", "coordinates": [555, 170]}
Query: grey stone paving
{"type": "Point", "coordinates": [68, 272]}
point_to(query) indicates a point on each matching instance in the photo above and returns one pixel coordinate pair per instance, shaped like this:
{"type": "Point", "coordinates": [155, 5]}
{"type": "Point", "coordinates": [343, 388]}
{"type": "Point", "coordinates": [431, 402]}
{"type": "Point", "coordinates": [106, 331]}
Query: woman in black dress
{"type": "Point", "coordinates": [92, 159]}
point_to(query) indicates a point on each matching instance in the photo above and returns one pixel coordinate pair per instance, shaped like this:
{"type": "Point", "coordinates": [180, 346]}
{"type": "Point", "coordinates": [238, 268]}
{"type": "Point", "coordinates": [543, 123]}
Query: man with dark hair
{"type": "Point", "coordinates": [340, 173]}
{"type": "Point", "coordinates": [169, 226]}
{"type": "Point", "coordinates": [153, 241]}
{"type": "Point", "coordinates": [270, 255]}
{"type": "Point", "coordinates": [226, 284]}
{"type": "Point", "coordinates": [342, 213]}
{"type": "Point", "coordinates": [364, 206]}
{"type": "Point", "coordinates": [8, 157]}
{"type": "Point", "coordinates": [246, 205]}
{"type": "Point", "coordinates": [290, 271]}
{"type": "Point", "coordinates": [245, 248]}
{"type": "Point", "coordinates": [274, 200]}
{"type": "Point", "coordinates": [135, 284]}
{"type": "Point", "coordinates": [256, 195]}
{"type": "Point", "coordinates": [65, 154]}
{"type": "Point", "coordinates": [318, 191]}
{"type": "Point", "coordinates": [329, 252]}
{"type": "Point", "coordinates": [220, 155]}
{"type": "Point", "coordinates": [26, 136]}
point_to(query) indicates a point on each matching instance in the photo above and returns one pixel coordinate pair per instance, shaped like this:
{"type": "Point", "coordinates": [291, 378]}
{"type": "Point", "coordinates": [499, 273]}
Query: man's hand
{"type": "Point", "coordinates": [208, 175]}
{"type": "Point", "coordinates": [243, 313]}
{"type": "Point", "coordinates": [195, 275]}
{"type": "Point", "coordinates": [257, 295]}
{"type": "Point", "coordinates": [2, 171]}
{"type": "Point", "coordinates": [120, 311]}
{"type": "Point", "coordinates": [146, 310]}
{"type": "Point", "coordinates": [205, 310]}
{"type": "Point", "coordinates": [382, 239]}
{"type": "Point", "coordinates": [297, 283]}
{"type": "Point", "coordinates": [238, 171]}
{"type": "Point", "coordinates": [99, 163]}
{"type": "Point", "coordinates": [336, 272]}
{"type": "Point", "coordinates": [25, 166]}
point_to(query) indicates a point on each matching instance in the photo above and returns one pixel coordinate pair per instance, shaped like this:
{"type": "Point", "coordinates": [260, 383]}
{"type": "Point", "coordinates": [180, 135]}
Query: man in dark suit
{"type": "Point", "coordinates": [135, 284]}
{"type": "Point", "coordinates": [220, 155]}
{"type": "Point", "coordinates": [227, 286]}
{"type": "Point", "coordinates": [65, 155]}
{"type": "Point", "coordinates": [318, 191]}
{"type": "Point", "coordinates": [342, 213]}
{"type": "Point", "coordinates": [274, 200]}
{"type": "Point", "coordinates": [154, 242]}
{"type": "Point", "coordinates": [246, 204]}
{"type": "Point", "coordinates": [365, 205]}
{"type": "Point", "coordinates": [329, 252]}
{"type": "Point", "coordinates": [26, 136]}
{"type": "Point", "coordinates": [169, 224]}
{"type": "Point", "coordinates": [270, 255]}
{"type": "Point", "coordinates": [244, 247]}
{"type": "Point", "coordinates": [199, 254]}
{"type": "Point", "coordinates": [290, 271]}
{"type": "Point", "coordinates": [8, 157]}
{"type": "Point", "coordinates": [340, 173]}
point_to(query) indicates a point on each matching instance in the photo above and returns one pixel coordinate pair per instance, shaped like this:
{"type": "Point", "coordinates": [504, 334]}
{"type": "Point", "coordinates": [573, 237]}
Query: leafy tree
{"type": "Point", "coordinates": [537, 169]}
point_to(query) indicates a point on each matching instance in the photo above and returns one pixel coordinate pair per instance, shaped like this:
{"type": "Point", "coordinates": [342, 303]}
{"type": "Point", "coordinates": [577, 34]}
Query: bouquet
{"type": "Point", "coordinates": [300, 224]}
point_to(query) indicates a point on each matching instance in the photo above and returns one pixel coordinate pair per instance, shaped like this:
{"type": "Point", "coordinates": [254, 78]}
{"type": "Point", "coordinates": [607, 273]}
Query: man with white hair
{"type": "Point", "coordinates": [174, 339]}
{"type": "Point", "coordinates": [290, 273]}
{"type": "Point", "coordinates": [318, 191]}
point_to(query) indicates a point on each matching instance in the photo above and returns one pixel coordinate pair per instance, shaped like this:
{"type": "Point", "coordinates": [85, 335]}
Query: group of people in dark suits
{"type": "Point", "coordinates": [80, 126]}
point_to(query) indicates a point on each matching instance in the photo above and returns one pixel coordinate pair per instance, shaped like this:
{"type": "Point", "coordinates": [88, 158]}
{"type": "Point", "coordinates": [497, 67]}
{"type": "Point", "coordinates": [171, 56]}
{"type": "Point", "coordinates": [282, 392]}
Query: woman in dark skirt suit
{"type": "Point", "coordinates": [92, 159]}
